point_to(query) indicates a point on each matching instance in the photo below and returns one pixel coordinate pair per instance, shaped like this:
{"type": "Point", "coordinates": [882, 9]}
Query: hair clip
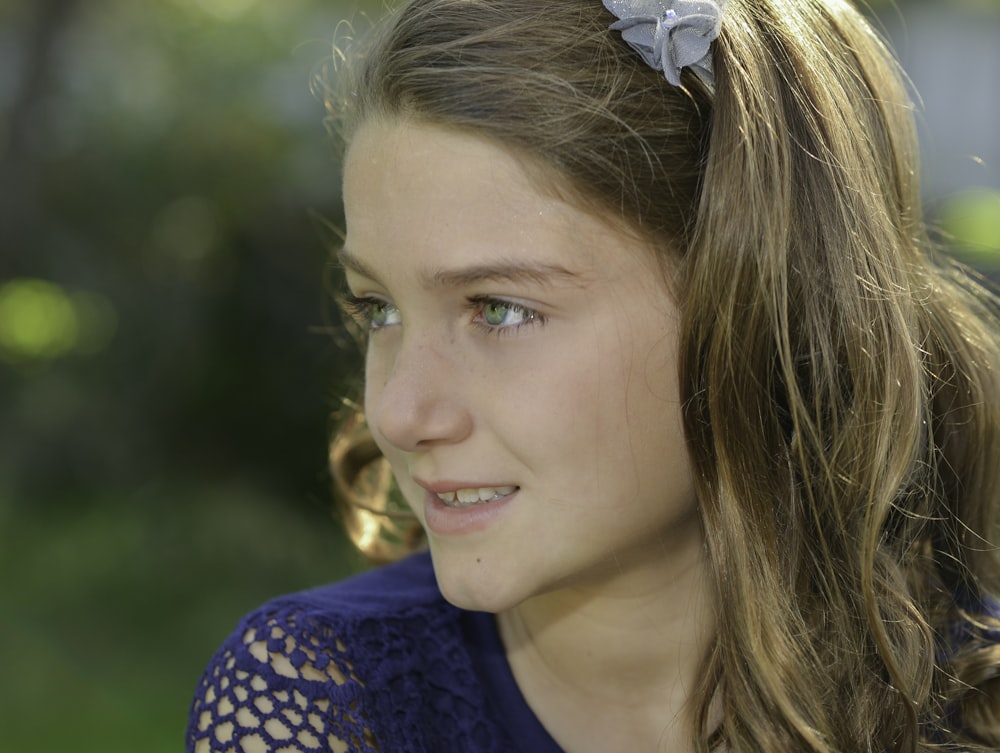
{"type": "Point", "coordinates": [671, 34]}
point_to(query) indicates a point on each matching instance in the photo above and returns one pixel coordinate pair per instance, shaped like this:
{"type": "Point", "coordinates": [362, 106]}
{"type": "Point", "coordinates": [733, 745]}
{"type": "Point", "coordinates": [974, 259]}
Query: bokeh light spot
{"type": "Point", "coordinates": [40, 321]}
{"type": "Point", "coordinates": [37, 321]}
{"type": "Point", "coordinates": [972, 219]}
{"type": "Point", "coordinates": [184, 235]}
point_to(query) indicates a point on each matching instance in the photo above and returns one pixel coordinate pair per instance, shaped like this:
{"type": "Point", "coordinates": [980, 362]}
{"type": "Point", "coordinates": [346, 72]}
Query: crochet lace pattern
{"type": "Point", "coordinates": [377, 664]}
{"type": "Point", "coordinates": [268, 694]}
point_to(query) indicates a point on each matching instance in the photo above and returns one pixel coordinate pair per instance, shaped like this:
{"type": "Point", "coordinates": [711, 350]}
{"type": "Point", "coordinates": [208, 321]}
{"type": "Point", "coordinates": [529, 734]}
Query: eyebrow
{"type": "Point", "coordinates": [535, 273]}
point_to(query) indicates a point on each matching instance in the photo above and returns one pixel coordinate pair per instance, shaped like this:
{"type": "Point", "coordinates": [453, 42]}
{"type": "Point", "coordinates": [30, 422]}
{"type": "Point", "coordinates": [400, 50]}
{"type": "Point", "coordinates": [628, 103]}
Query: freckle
{"type": "Point", "coordinates": [478, 560]}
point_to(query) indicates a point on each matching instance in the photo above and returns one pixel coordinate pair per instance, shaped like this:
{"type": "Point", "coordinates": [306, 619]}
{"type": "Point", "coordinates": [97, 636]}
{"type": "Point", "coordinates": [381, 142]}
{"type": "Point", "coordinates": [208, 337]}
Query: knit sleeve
{"type": "Point", "coordinates": [282, 683]}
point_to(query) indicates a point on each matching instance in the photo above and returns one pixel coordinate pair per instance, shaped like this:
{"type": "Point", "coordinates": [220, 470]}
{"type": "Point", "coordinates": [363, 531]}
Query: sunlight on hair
{"type": "Point", "coordinates": [375, 517]}
{"type": "Point", "coordinates": [369, 527]}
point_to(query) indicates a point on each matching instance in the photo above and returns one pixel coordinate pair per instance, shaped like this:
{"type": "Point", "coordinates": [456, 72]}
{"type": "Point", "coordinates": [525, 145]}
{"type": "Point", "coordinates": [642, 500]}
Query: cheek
{"type": "Point", "coordinates": [373, 382]}
{"type": "Point", "coordinates": [376, 371]}
{"type": "Point", "coordinates": [563, 388]}
{"type": "Point", "coordinates": [653, 386]}
{"type": "Point", "coordinates": [639, 396]}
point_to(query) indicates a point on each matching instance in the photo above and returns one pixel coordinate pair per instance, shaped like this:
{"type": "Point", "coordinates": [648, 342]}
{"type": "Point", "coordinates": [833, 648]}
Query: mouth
{"type": "Point", "coordinates": [474, 496]}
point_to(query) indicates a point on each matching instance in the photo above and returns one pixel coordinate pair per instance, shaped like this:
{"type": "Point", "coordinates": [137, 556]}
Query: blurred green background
{"type": "Point", "coordinates": [167, 370]}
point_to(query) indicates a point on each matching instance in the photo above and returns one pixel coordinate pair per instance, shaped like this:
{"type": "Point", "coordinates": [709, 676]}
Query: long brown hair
{"type": "Point", "coordinates": [841, 380]}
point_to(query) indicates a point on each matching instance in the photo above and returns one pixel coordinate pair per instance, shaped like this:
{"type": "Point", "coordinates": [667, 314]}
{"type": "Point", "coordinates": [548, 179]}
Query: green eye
{"type": "Point", "coordinates": [495, 313]}
{"type": "Point", "coordinates": [383, 314]}
{"type": "Point", "coordinates": [498, 314]}
{"type": "Point", "coordinates": [371, 313]}
{"type": "Point", "coordinates": [380, 314]}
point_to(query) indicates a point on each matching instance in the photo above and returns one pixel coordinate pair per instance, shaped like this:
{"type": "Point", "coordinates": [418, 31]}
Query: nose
{"type": "Point", "coordinates": [416, 403]}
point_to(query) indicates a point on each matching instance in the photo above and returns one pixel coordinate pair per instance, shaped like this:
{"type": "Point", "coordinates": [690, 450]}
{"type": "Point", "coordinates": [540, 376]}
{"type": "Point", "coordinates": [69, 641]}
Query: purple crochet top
{"type": "Point", "coordinates": [380, 662]}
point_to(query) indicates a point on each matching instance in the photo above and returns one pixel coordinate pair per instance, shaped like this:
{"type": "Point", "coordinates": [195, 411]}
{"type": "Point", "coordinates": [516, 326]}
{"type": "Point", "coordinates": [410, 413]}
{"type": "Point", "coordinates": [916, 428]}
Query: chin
{"type": "Point", "coordinates": [476, 589]}
{"type": "Point", "coordinates": [473, 603]}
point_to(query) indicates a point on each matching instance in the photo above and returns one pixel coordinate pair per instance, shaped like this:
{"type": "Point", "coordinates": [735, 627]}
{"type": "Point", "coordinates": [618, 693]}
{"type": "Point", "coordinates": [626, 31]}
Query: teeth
{"type": "Point", "coordinates": [466, 497]}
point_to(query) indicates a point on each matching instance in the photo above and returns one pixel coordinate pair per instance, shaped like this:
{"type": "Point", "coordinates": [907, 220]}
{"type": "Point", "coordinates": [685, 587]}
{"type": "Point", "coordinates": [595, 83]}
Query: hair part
{"type": "Point", "coordinates": [841, 383]}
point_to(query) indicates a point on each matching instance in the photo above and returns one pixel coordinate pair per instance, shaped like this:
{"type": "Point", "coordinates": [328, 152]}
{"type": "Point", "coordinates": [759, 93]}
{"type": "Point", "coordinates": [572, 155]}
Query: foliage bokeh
{"type": "Point", "coordinates": [167, 373]}
{"type": "Point", "coordinates": [167, 370]}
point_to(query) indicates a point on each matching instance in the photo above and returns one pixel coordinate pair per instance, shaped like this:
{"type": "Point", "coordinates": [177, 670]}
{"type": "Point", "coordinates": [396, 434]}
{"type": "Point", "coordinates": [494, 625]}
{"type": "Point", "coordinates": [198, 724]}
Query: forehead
{"type": "Point", "coordinates": [442, 174]}
{"type": "Point", "coordinates": [447, 195]}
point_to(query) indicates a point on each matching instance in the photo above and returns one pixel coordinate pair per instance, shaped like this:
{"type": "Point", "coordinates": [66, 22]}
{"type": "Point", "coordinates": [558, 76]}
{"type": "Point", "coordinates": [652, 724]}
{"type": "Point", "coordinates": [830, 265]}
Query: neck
{"type": "Point", "coordinates": [615, 661]}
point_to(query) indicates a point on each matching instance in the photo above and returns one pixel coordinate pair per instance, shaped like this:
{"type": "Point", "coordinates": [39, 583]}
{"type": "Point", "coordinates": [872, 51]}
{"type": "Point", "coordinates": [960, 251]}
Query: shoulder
{"type": "Point", "coordinates": [381, 591]}
{"type": "Point", "coordinates": [328, 666]}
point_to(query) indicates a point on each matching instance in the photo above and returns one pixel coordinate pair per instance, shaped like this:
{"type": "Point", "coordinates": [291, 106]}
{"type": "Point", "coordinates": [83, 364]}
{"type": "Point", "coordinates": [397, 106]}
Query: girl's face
{"type": "Point", "coordinates": [521, 371]}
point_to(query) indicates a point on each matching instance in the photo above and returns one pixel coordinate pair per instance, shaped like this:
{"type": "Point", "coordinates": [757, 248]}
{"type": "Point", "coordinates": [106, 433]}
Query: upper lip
{"type": "Point", "coordinates": [442, 487]}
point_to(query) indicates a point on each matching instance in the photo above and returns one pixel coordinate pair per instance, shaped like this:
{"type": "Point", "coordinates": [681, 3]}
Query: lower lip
{"type": "Point", "coordinates": [451, 521]}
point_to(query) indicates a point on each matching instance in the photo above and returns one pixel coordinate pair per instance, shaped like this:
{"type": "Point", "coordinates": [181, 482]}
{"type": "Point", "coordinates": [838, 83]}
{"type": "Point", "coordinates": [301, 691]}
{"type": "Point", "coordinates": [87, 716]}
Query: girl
{"type": "Point", "coordinates": [702, 435]}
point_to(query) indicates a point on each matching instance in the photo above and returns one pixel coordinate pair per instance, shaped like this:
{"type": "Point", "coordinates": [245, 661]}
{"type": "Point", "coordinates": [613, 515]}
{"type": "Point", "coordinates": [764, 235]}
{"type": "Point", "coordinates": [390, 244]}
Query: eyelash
{"type": "Point", "coordinates": [479, 302]}
{"type": "Point", "coordinates": [362, 308]}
